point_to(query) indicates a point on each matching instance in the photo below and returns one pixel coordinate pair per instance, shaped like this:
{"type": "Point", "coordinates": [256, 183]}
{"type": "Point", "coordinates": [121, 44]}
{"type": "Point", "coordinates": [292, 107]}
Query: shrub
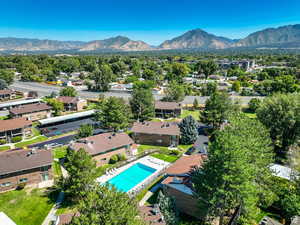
{"type": "Point", "coordinates": [121, 157]}
{"type": "Point", "coordinates": [16, 139]}
{"type": "Point", "coordinates": [113, 159]}
{"type": "Point", "coordinates": [3, 141]}
{"type": "Point", "coordinates": [21, 186]}
{"type": "Point", "coordinates": [254, 104]}
{"type": "Point", "coordinates": [175, 152]}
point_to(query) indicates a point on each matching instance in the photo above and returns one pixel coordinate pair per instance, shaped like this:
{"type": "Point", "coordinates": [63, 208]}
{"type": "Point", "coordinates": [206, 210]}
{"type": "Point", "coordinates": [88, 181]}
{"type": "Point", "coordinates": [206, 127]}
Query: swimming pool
{"type": "Point", "coordinates": [131, 177]}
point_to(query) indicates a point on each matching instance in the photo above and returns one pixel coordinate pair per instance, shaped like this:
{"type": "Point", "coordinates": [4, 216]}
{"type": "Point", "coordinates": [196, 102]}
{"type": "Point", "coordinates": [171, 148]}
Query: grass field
{"type": "Point", "coordinates": [26, 208]}
{"type": "Point", "coordinates": [30, 142]}
{"type": "Point", "coordinates": [4, 148]}
{"type": "Point", "coordinates": [143, 148]}
{"type": "Point", "coordinates": [165, 157]}
{"type": "Point", "coordinates": [195, 114]}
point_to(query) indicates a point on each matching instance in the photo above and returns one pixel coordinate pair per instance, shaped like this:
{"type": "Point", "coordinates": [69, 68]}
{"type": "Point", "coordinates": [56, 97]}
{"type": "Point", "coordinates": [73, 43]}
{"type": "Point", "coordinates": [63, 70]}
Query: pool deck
{"type": "Point", "coordinates": [150, 161]}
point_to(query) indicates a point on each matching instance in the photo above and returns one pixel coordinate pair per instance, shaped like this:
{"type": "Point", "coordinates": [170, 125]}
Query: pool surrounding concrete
{"type": "Point", "coordinates": [134, 176]}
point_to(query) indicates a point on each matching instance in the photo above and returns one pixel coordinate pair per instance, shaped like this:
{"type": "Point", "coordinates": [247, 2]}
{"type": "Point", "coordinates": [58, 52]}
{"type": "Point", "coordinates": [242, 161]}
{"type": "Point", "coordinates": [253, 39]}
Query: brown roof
{"type": "Point", "coordinates": [6, 92]}
{"type": "Point", "coordinates": [30, 108]}
{"type": "Point", "coordinates": [185, 164]}
{"type": "Point", "coordinates": [153, 127]}
{"type": "Point", "coordinates": [102, 143]}
{"type": "Point", "coordinates": [67, 99]}
{"type": "Point", "coordinates": [17, 160]}
{"type": "Point", "coordinates": [13, 124]}
{"type": "Point", "coordinates": [66, 218]}
{"type": "Point", "coordinates": [151, 215]}
{"type": "Point", "coordinates": [167, 105]}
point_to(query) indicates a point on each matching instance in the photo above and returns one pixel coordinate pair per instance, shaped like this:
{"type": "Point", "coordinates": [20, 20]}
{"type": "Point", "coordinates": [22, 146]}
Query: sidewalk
{"type": "Point", "coordinates": [149, 194]}
{"type": "Point", "coordinates": [51, 215]}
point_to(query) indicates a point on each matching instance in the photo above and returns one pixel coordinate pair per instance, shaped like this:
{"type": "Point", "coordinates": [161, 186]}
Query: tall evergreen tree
{"type": "Point", "coordinates": [188, 130]}
{"type": "Point", "coordinates": [236, 173]}
{"type": "Point", "coordinates": [168, 208]}
{"type": "Point", "coordinates": [142, 103]}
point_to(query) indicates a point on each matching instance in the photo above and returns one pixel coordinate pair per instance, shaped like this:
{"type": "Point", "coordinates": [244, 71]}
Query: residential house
{"type": "Point", "coordinates": [33, 167]}
{"type": "Point", "coordinates": [32, 112]}
{"type": "Point", "coordinates": [14, 127]}
{"type": "Point", "coordinates": [178, 184]}
{"type": "Point", "coordinates": [156, 133]}
{"type": "Point", "coordinates": [72, 103]}
{"type": "Point", "coordinates": [7, 94]}
{"type": "Point", "coordinates": [103, 146]}
{"type": "Point", "coordinates": [167, 109]}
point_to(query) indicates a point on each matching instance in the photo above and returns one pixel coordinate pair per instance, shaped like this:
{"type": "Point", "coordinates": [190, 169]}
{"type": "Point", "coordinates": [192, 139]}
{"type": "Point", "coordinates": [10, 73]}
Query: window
{"type": "Point", "coordinates": [159, 141]}
{"type": "Point", "coordinates": [7, 184]}
{"type": "Point", "coordinates": [22, 180]}
{"type": "Point", "coordinates": [44, 168]}
{"type": "Point", "coordinates": [45, 176]}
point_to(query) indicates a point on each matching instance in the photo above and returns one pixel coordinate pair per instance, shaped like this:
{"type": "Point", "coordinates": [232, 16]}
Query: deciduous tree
{"type": "Point", "coordinates": [281, 115]}
{"type": "Point", "coordinates": [142, 103]}
{"type": "Point", "coordinates": [68, 91]}
{"type": "Point", "coordinates": [114, 113]}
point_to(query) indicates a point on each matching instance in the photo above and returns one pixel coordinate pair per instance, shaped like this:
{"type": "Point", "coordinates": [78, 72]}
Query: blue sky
{"type": "Point", "coordinates": [152, 21]}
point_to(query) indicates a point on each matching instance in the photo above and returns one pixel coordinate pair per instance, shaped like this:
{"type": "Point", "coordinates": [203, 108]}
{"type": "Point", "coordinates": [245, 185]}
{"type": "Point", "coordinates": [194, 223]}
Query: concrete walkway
{"type": "Point", "coordinates": [51, 215]}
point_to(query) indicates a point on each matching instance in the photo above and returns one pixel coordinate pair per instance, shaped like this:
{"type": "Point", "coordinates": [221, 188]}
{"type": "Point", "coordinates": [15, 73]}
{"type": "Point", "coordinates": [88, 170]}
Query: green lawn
{"type": "Point", "coordinates": [60, 152]}
{"type": "Point", "coordinates": [26, 208]}
{"type": "Point", "coordinates": [35, 132]}
{"type": "Point", "coordinates": [33, 141]}
{"type": "Point", "coordinates": [195, 114]}
{"type": "Point", "coordinates": [165, 157]}
{"type": "Point", "coordinates": [56, 169]}
{"type": "Point", "coordinates": [3, 117]}
{"type": "Point", "coordinates": [143, 148]}
{"type": "Point", "coordinates": [250, 115]}
{"type": "Point", "coordinates": [4, 148]}
{"type": "Point", "coordinates": [184, 148]}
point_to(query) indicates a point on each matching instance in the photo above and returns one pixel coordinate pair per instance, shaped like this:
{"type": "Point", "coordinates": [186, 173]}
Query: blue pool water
{"type": "Point", "coordinates": [131, 177]}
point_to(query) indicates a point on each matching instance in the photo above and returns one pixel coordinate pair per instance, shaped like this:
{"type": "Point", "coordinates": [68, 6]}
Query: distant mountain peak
{"type": "Point", "coordinates": [195, 39]}
{"type": "Point", "coordinates": [283, 37]}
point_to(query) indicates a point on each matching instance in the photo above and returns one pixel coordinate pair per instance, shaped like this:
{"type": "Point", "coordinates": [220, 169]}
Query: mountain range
{"type": "Point", "coordinates": [283, 37]}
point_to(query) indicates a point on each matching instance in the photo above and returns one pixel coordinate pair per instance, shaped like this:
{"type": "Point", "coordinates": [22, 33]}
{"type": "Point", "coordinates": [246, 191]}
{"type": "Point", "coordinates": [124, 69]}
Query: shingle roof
{"type": "Point", "coordinates": [6, 92]}
{"type": "Point", "coordinates": [17, 160]}
{"type": "Point", "coordinates": [153, 127]}
{"type": "Point", "coordinates": [67, 99]}
{"type": "Point", "coordinates": [167, 105]}
{"type": "Point", "coordinates": [185, 164]}
{"type": "Point", "coordinates": [30, 108]}
{"type": "Point", "coordinates": [102, 143]}
{"type": "Point", "coordinates": [13, 124]}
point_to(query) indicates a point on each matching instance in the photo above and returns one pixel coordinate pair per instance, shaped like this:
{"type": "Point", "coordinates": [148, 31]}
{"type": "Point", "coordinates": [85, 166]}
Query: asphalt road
{"type": "Point", "coordinates": [44, 89]}
{"type": "Point", "coordinates": [63, 140]}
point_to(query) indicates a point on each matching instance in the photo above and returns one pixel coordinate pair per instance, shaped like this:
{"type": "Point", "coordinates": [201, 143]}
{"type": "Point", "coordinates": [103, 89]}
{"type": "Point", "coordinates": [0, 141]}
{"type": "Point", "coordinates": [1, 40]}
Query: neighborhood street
{"type": "Point", "coordinates": [44, 89]}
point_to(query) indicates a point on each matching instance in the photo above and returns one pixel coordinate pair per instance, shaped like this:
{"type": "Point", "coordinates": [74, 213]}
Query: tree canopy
{"type": "Point", "coordinates": [68, 91]}
{"type": "Point", "coordinates": [114, 113]}
{"type": "Point", "coordinates": [142, 102]}
{"type": "Point", "coordinates": [236, 173]}
{"type": "Point", "coordinates": [281, 115]}
{"type": "Point", "coordinates": [217, 109]}
{"type": "Point", "coordinates": [188, 130]}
